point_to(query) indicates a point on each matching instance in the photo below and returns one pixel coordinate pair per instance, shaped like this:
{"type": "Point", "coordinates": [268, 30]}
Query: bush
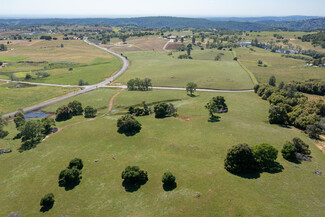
{"type": "Point", "coordinates": [168, 178]}
{"type": "Point", "coordinates": [265, 155]}
{"type": "Point", "coordinates": [76, 108]}
{"type": "Point", "coordinates": [289, 152]}
{"type": "Point", "coordinates": [240, 159]}
{"type": "Point", "coordinates": [133, 175]}
{"type": "Point", "coordinates": [63, 113]}
{"type": "Point", "coordinates": [301, 146]}
{"type": "Point", "coordinates": [47, 201]}
{"type": "Point", "coordinates": [90, 112]}
{"type": "Point", "coordinates": [128, 125]}
{"type": "Point", "coordinates": [76, 163]}
{"type": "Point", "coordinates": [235, 58]}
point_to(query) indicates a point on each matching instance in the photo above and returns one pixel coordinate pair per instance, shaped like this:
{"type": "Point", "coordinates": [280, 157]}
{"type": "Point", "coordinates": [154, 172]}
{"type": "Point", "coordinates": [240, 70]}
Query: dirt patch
{"type": "Point", "coordinates": [184, 118]}
{"type": "Point", "coordinates": [320, 144]}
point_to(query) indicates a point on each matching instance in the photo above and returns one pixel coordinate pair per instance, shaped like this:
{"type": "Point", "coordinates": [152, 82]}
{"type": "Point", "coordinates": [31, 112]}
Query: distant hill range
{"type": "Point", "coordinates": [250, 23]}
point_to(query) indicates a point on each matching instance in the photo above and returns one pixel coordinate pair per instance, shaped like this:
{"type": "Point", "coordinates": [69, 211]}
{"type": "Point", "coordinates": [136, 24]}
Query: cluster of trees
{"type": "Point", "coordinates": [139, 84]}
{"type": "Point", "coordinates": [312, 86]}
{"type": "Point", "coordinates": [133, 177]}
{"type": "Point", "coordinates": [243, 159]}
{"type": "Point", "coordinates": [46, 37]}
{"type": "Point", "coordinates": [163, 110]}
{"type": "Point", "coordinates": [81, 82]}
{"type": "Point", "coordinates": [216, 105]}
{"type": "Point", "coordinates": [74, 108]}
{"type": "Point", "coordinates": [137, 111]}
{"type": "Point", "coordinates": [71, 176]}
{"type": "Point", "coordinates": [32, 131]}
{"type": "Point", "coordinates": [290, 107]}
{"type": "Point", "coordinates": [317, 39]}
{"type": "Point", "coordinates": [3, 47]}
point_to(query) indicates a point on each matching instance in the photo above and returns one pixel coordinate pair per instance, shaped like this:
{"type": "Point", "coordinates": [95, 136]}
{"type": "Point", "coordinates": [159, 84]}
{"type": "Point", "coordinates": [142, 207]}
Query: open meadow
{"type": "Point", "coordinates": [189, 146]}
{"type": "Point", "coordinates": [12, 99]}
{"type": "Point", "coordinates": [168, 70]}
{"type": "Point", "coordinates": [66, 61]}
{"type": "Point", "coordinates": [284, 69]}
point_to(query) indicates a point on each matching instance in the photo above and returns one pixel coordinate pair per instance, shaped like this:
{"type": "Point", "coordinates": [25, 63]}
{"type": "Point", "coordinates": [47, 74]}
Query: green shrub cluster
{"type": "Point", "coordinates": [290, 107]}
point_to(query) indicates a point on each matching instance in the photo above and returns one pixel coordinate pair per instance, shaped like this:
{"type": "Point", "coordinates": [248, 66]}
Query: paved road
{"type": "Point", "coordinates": [103, 84]}
{"type": "Point", "coordinates": [184, 89]}
{"type": "Point", "coordinates": [86, 88]}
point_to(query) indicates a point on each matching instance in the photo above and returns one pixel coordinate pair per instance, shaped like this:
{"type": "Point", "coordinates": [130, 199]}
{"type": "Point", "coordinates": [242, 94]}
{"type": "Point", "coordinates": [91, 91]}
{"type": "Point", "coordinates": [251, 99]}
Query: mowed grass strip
{"type": "Point", "coordinates": [192, 149]}
{"type": "Point", "coordinates": [170, 71]}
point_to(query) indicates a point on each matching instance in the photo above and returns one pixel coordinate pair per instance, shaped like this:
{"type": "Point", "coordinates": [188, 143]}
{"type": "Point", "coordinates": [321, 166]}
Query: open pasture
{"type": "Point", "coordinates": [284, 69]}
{"type": "Point", "coordinates": [167, 70]}
{"type": "Point", "coordinates": [189, 146]}
{"type": "Point", "coordinates": [12, 99]}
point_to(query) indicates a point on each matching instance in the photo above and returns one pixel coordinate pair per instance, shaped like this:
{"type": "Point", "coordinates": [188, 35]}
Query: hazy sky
{"type": "Point", "coordinates": [113, 8]}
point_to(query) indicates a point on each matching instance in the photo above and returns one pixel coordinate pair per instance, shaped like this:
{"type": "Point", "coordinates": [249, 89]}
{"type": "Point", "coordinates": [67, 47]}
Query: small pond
{"type": "Point", "coordinates": [37, 114]}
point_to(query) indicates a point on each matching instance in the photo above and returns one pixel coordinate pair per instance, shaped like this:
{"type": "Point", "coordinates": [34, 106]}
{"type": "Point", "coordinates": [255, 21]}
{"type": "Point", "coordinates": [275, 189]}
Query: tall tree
{"type": "Point", "coordinates": [191, 87]}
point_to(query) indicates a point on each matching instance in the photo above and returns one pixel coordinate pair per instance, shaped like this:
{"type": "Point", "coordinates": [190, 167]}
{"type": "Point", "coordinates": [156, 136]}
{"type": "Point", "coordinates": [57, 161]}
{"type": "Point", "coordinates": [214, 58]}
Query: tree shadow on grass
{"type": "Point", "coordinates": [254, 175]}
{"type": "Point", "coordinates": [192, 95]}
{"type": "Point", "coordinates": [132, 133]}
{"type": "Point", "coordinates": [285, 126]}
{"type": "Point", "coordinates": [274, 168]}
{"type": "Point", "coordinates": [214, 119]}
{"type": "Point", "coordinates": [46, 208]}
{"type": "Point", "coordinates": [69, 186]}
{"type": "Point", "coordinates": [170, 187]}
{"type": "Point", "coordinates": [27, 145]}
{"type": "Point", "coordinates": [132, 187]}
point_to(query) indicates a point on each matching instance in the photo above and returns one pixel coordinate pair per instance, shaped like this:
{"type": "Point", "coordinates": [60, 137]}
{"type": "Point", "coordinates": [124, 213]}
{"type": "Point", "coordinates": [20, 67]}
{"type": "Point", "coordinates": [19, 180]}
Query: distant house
{"type": "Point", "coordinates": [171, 37]}
{"type": "Point", "coordinates": [245, 43]}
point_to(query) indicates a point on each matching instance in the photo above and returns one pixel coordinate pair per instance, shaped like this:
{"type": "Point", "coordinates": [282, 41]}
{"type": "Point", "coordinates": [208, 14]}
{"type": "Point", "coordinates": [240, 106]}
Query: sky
{"type": "Point", "coordinates": [185, 8]}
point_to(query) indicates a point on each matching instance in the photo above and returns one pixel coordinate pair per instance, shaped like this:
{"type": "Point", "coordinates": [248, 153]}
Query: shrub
{"type": "Point", "coordinates": [259, 62]}
{"type": "Point", "coordinates": [240, 159]}
{"type": "Point", "coordinates": [289, 151]}
{"type": "Point", "coordinates": [301, 146]}
{"type": "Point", "coordinates": [76, 107]}
{"type": "Point", "coordinates": [265, 155]}
{"type": "Point", "coordinates": [235, 58]}
{"type": "Point", "coordinates": [133, 175]}
{"type": "Point", "coordinates": [168, 178]}
{"type": "Point", "coordinates": [47, 125]}
{"type": "Point", "coordinates": [90, 112]}
{"type": "Point", "coordinates": [19, 121]}
{"type": "Point", "coordinates": [63, 113]}
{"type": "Point", "coordinates": [76, 163]}
{"type": "Point", "coordinates": [128, 125]}
{"type": "Point", "coordinates": [47, 201]}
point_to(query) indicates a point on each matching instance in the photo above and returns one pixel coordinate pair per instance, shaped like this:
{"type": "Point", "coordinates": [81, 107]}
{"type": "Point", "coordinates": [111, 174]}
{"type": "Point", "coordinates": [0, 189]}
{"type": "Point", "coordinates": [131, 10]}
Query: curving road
{"type": "Point", "coordinates": [88, 88]}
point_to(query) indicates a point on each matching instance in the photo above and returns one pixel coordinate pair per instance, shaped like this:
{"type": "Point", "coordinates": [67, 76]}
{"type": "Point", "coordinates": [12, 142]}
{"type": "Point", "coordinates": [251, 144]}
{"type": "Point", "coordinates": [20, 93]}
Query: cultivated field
{"type": "Point", "coordinates": [285, 69]}
{"type": "Point", "coordinates": [189, 146]}
{"type": "Point", "coordinates": [167, 70]}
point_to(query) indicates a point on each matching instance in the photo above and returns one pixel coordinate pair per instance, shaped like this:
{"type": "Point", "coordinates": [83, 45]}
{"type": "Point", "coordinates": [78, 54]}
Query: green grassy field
{"type": "Point", "coordinates": [89, 63]}
{"type": "Point", "coordinates": [189, 146]}
{"type": "Point", "coordinates": [12, 99]}
{"type": "Point", "coordinates": [167, 70]}
{"type": "Point", "coordinates": [285, 69]}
